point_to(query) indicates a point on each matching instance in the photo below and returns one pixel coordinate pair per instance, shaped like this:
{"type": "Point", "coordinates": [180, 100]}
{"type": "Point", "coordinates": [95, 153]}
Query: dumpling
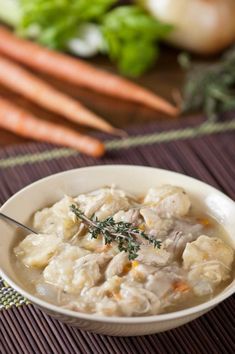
{"type": "Point", "coordinates": [60, 270]}
{"type": "Point", "coordinates": [37, 250]}
{"type": "Point", "coordinates": [155, 225]}
{"type": "Point", "coordinates": [207, 248]}
{"type": "Point", "coordinates": [86, 270]}
{"type": "Point", "coordinates": [153, 256]}
{"type": "Point", "coordinates": [103, 203]}
{"type": "Point", "coordinates": [57, 219]}
{"type": "Point", "coordinates": [209, 261]}
{"type": "Point", "coordinates": [169, 201]}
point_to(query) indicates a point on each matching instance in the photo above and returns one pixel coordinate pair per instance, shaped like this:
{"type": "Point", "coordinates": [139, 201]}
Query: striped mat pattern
{"type": "Point", "coordinates": [209, 156]}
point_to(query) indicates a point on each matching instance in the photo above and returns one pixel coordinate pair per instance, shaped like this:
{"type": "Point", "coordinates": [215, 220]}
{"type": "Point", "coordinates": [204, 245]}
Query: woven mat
{"type": "Point", "coordinates": [202, 150]}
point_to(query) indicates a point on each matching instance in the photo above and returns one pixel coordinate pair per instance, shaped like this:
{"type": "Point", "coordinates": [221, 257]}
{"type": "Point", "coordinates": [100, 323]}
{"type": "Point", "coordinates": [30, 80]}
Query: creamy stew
{"type": "Point", "coordinates": [115, 254]}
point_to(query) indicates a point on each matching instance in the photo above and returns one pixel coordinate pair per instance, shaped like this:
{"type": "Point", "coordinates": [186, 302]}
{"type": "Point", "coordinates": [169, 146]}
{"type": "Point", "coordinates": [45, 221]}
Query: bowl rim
{"type": "Point", "coordinates": [204, 307]}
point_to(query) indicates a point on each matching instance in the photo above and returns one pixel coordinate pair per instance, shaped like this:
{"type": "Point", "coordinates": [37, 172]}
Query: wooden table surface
{"type": "Point", "coordinates": [163, 79]}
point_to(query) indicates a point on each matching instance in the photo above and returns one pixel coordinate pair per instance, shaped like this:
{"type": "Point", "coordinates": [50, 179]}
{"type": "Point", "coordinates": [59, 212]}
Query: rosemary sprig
{"type": "Point", "coordinates": [128, 237]}
{"type": "Point", "coordinates": [210, 87]}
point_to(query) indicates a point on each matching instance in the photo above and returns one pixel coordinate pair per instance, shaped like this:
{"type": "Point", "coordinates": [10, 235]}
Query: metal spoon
{"type": "Point", "coordinates": [13, 221]}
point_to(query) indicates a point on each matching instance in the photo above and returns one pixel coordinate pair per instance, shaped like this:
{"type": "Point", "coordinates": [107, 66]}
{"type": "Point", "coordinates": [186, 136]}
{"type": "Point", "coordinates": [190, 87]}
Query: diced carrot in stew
{"type": "Point", "coordinates": [181, 286]}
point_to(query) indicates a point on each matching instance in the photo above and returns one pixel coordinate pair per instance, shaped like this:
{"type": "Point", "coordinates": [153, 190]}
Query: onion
{"type": "Point", "coordinates": [201, 26]}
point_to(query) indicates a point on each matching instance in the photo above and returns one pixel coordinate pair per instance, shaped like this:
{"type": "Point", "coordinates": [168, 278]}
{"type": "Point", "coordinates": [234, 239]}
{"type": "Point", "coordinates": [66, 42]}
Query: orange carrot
{"type": "Point", "coordinates": [204, 221]}
{"type": "Point", "coordinates": [79, 72]}
{"type": "Point", "coordinates": [23, 123]}
{"type": "Point", "coordinates": [181, 286]}
{"type": "Point", "coordinates": [27, 84]}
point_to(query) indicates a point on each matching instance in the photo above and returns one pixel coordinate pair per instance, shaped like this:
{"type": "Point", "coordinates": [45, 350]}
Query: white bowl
{"type": "Point", "coordinates": [135, 179]}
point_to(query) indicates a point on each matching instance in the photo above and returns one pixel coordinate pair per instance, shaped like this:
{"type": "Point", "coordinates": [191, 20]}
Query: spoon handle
{"type": "Point", "coordinates": [7, 218]}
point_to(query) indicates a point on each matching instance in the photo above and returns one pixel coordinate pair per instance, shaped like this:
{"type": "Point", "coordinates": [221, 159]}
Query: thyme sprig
{"type": "Point", "coordinates": [128, 237]}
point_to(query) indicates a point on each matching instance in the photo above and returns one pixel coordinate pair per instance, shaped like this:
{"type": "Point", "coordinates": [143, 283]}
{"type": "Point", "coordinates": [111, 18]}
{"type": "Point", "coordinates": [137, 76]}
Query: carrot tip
{"type": "Point", "coordinates": [120, 132]}
{"type": "Point", "coordinates": [99, 150]}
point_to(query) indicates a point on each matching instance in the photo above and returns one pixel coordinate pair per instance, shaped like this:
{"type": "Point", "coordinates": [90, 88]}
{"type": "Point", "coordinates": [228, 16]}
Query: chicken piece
{"type": "Point", "coordinates": [107, 289]}
{"type": "Point", "coordinates": [135, 300]}
{"type": "Point", "coordinates": [97, 245]}
{"type": "Point", "coordinates": [168, 200]}
{"type": "Point", "coordinates": [60, 270]}
{"type": "Point", "coordinates": [103, 300]}
{"type": "Point", "coordinates": [188, 226]}
{"type": "Point", "coordinates": [37, 250]}
{"type": "Point", "coordinates": [170, 285]}
{"type": "Point", "coordinates": [175, 244]}
{"type": "Point", "coordinates": [112, 285]}
{"type": "Point", "coordinates": [91, 244]}
{"type": "Point", "coordinates": [161, 282]}
{"type": "Point", "coordinates": [131, 216]}
{"type": "Point", "coordinates": [117, 265]}
{"type": "Point", "coordinates": [151, 218]}
{"type": "Point", "coordinates": [103, 202]}
{"type": "Point", "coordinates": [184, 231]}
{"type": "Point", "coordinates": [87, 270]}
{"type": "Point", "coordinates": [153, 256]}
{"type": "Point", "coordinates": [57, 219]}
{"type": "Point", "coordinates": [209, 261]}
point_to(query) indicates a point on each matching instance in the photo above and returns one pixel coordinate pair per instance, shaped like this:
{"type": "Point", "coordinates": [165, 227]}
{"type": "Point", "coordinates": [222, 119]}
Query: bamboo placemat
{"type": "Point", "coordinates": [205, 151]}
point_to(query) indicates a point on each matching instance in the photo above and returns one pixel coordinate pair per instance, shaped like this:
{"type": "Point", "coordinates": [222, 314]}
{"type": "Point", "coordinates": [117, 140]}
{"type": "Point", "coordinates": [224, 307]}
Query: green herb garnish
{"type": "Point", "coordinates": [131, 35]}
{"type": "Point", "coordinates": [128, 237]}
{"type": "Point", "coordinates": [54, 22]}
{"type": "Point", "coordinates": [210, 87]}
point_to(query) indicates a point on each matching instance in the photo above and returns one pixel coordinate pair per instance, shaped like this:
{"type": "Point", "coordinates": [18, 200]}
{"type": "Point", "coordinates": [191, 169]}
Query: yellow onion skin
{"type": "Point", "coordinates": [201, 26]}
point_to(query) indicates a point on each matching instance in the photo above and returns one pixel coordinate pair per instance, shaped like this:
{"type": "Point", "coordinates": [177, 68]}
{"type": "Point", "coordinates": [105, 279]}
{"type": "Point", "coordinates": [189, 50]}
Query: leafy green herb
{"type": "Point", "coordinates": [128, 34]}
{"type": "Point", "coordinates": [54, 22]}
{"type": "Point", "coordinates": [128, 237]}
{"type": "Point", "coordinates": [131, 35]}
{"type": "Point", "coordinates": [210, 87]}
